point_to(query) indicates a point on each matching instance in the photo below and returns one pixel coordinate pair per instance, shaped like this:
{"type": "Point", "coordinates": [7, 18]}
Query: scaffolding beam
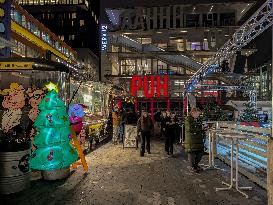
{"type": "Point", "coordinates": [261, 20]}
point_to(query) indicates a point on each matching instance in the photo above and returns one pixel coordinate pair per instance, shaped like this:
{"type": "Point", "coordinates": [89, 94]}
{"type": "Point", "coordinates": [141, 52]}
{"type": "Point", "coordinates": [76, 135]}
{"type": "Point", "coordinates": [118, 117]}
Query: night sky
{"type": "Point", "coordinates": [130, 3]}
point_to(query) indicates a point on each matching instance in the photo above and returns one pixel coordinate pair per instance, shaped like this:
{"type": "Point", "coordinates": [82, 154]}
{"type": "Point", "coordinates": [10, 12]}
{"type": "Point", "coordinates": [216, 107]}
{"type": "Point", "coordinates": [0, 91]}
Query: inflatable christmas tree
{"type": "Point", "coordinates": [52, 141]}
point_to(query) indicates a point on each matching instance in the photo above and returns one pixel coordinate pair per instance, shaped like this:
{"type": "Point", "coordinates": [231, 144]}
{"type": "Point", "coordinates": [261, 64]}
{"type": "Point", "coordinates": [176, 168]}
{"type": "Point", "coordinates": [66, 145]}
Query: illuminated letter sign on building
{"type": "Point", "coordinates": [5, 22]}
{"type": "Point", "coordinates": [104, 38]}
{"type": "Point", "coordinates": [146, 83]}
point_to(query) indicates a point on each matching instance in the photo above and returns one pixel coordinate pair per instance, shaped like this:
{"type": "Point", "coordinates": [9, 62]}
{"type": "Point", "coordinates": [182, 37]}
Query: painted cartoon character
{"type": "Point", "coordinates": [35, 97]}
{"type": "Point", "coordinates": [76, 114]}
{"type": "Point", "coordinates": [14, 101]}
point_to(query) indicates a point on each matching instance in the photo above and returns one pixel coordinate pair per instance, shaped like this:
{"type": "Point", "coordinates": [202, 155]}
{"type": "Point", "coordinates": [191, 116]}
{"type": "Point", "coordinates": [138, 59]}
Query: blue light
{"type": "Point", "coordinates": [104, 38]}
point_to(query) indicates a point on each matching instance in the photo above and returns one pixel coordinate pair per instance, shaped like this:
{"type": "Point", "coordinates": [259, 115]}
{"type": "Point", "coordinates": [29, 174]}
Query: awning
{"type": "Point", "coordinates": [239, 105]}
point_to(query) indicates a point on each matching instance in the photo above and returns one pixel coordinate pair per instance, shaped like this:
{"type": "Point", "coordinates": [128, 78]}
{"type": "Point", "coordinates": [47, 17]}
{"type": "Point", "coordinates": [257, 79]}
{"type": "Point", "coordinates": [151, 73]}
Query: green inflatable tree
{"type": "Point", "coordinates": [52, 141]}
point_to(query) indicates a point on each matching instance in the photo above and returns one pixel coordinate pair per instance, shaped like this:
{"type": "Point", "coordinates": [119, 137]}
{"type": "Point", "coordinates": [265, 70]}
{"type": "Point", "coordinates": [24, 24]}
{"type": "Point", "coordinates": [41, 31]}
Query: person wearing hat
{"type": "Point", "coordinates": [194, 139]}
{"type": "Point", "coordinates": [145, 128]}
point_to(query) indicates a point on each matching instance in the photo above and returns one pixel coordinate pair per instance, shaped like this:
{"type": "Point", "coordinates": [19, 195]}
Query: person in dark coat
{"type": "Point", "coordinates": [170, 137]}
{"type": "Point", "coordinates": [166, 123]}
{"type": "Point", "coordinates": [194, 139]}
{"type": "Point", "coordinates": [163, 124]}
{"type": "Point", "coordinates": [145, 129]}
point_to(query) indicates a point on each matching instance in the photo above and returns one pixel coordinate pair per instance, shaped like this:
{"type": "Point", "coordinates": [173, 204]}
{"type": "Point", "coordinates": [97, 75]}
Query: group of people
{"type": "Point", "coordinates": [169, 130]}
{"type": "Point", "coordinates": [169, 124]}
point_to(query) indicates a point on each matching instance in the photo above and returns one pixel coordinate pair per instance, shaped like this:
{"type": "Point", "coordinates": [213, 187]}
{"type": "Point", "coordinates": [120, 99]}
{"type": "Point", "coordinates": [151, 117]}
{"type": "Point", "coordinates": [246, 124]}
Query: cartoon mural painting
{"type": "Point", "coordinates": [14, 101]}
{"type": "Point", "coordinates": [35, 97]}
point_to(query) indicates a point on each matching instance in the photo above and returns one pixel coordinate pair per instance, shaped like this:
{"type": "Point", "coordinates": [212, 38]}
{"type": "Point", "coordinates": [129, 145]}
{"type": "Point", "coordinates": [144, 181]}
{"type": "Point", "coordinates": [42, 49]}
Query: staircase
{"type": "Point", "coordinates": [177, 60]}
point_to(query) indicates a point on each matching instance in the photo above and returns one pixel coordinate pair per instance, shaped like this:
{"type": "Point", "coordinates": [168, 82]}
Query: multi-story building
{"type": "Point", "coordinates": [73, 21]}
{"type": "Point", "coordinates": [28, 38]}
{"type": "Point", "coordinates": [164, 40]}
{"type": "Point", "coordinates": [32, 39]}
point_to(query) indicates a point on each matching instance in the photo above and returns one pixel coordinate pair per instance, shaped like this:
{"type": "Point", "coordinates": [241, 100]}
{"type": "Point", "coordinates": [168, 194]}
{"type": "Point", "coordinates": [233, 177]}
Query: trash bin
{"type": "Point", "coordinates": [14, 167]}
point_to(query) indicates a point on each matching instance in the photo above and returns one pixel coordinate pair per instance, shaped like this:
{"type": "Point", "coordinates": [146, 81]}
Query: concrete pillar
{"type": "Point", "coordinates": [177, 15]}
{"type": "Point", "coordinates": [218, 19]}
{"type": "Point", "coordinates": [154, 17]}
{"type": "Point", "coordinates": [200, 20]}
{"type": "Point", "coordinates": [165, 17]}
{"type": "Point", "coordinates": [148, 18]}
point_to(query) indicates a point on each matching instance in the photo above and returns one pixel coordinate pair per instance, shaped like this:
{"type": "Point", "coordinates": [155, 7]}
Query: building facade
{"type": "Point", "coordinates": [73, 21]}
{"type": "Point", "coordinates": [28, 38]}
{"type": "Point", "coordinates": [163, 40]}
{"type": "Point", "coordinates": [32, 39]}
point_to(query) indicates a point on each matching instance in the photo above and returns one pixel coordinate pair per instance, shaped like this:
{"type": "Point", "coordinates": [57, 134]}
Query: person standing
{"type": "Point", "coordinates": [162, 124]}
{"type": "Point", "coordinates": [121, 126]}
{"type": "Point", "coordinates": [116, 123]}
{"type": "Point", "coordinates": [166, 130]}
{"type": "Point", "coordinates": [171, 124]}
{"type": "Point", "coordinates": [145, 128]}
{"type": "Point", "coordinates": [157, 120]}
{"type": "Point", "coordinates": [194, 139]}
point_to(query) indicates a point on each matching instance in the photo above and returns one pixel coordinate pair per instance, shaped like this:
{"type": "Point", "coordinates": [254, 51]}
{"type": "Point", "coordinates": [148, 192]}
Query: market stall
{"type": "Point", "coordinates": [22, 88]}
{"type": "Point", "coordinates": [94, 97]}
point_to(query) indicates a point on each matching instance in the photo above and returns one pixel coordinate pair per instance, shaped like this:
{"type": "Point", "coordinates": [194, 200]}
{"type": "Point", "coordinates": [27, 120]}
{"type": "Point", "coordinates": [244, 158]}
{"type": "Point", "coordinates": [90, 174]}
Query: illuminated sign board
{"type": "Point", "coordinates": [16, 65]}
{"type": "Point", "coordinates": [147, 84]}
{"type": "Point", "coordinates": [104, 38]}
{"type": "Point", "coordinates": [5, 21]}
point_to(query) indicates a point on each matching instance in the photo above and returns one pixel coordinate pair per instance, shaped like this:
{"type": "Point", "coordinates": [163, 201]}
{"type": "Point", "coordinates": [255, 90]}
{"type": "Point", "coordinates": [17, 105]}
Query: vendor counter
{"type": "Point", "coordinates": [252, 152]}
{"type": "Point", "coordinates": [96, 131]}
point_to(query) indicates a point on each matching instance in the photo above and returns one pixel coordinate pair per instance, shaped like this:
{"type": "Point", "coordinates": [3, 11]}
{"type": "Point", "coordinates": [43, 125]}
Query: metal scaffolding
{"type": "Point", "coordinates": [261, 20]}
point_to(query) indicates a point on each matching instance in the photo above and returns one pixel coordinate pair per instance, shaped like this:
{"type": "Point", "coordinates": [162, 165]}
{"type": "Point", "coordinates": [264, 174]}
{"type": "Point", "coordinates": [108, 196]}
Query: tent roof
{"type": "Point", "coordinates": [240, 104]}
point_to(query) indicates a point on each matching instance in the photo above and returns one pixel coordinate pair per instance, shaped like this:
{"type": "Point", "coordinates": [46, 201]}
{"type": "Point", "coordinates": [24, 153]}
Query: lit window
{"type": "Point", "coordinates": [81, 22]}
{"type": "Point", "coordinates": [74, 15]}
{"type": "Point", "coordinates": [71, 37]}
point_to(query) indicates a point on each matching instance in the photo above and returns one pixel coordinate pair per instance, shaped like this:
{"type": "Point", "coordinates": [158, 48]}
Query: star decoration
{"type": "Point", "coordinates": [51, 86]}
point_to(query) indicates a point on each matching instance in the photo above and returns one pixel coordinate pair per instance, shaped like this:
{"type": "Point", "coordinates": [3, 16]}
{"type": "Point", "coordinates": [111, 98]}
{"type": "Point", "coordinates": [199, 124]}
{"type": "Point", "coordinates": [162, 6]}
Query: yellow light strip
{"type": "Point", "coordinates": [37, 41]}
{"type": "Point", "coordinates": [16, 65]}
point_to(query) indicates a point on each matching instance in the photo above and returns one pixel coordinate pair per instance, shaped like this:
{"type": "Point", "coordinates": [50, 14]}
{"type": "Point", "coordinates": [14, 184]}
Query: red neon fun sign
{"type": "Point", "coordinates": [142, 82]}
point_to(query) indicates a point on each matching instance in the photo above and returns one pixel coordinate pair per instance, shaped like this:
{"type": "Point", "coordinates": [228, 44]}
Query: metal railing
{"type": "Point", "coordinates": [252, 152]}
